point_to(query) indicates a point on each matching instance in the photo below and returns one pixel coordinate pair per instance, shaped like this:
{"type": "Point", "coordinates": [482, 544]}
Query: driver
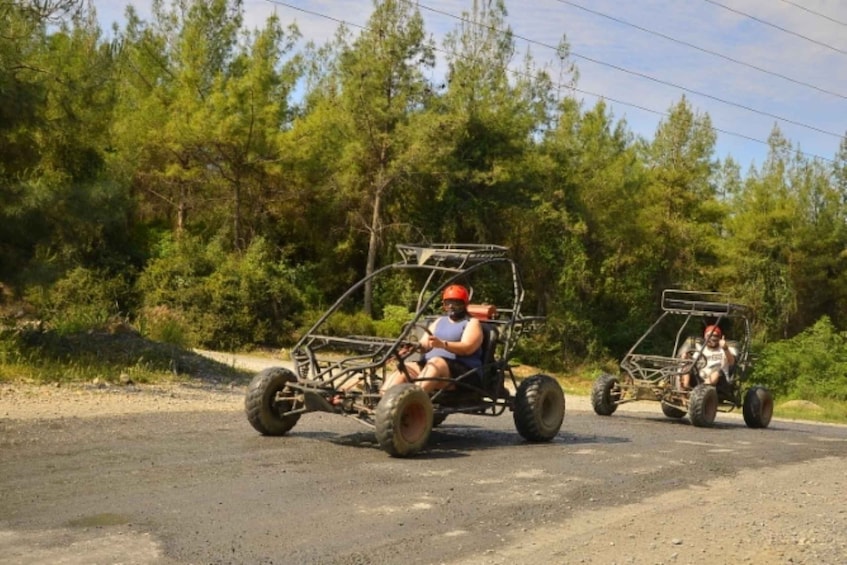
{"type": "Point", "coordinates": [719, 358]}
{"type": "Point", "coordinates": [452, 346]}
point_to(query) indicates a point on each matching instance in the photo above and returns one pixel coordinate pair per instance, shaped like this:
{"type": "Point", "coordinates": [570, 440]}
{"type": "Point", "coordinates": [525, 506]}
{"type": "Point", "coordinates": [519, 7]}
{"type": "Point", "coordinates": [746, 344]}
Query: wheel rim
{"type": "Point", "coordinates": [766, 408]}
{"type": "Point", "coordinates": [413, 422]}
{"type": "Point", "coordinates": [613, 392]}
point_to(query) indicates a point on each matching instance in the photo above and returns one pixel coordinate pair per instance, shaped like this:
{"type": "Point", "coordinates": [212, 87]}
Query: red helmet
{"type": "Point", "coordinates": [712, 331]}
{"type": "Point", "coordinates": [456, 292]}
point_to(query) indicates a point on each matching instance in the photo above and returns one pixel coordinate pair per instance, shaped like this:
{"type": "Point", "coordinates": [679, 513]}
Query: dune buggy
{"type": "Point", "coordinates": [653, 368]}
{"type": "Point", "coordinates": [340, 371]}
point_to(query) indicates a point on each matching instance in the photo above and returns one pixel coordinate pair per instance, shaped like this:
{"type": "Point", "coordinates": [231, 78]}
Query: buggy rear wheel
{"type": "Point", "coordinates": [403, 420]}
{"type": "Point", "coordinates": [605, 393]}
{"type": "Point", "coordinates": [703, 406]}
{"type": "Point", "coordinates": [539, 408]}
{"type": "Point", "coordinates": [758, 407]}
{"type": "Point", "coordinates": [264, 406]}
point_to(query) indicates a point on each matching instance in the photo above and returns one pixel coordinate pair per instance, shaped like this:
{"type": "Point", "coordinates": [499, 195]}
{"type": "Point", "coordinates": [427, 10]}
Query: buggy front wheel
{"type": "Point", "coordinates": [539, 408]}
{"type": "Point", "coordinates": [268, 399]}
{"type": "Point", "coordinates": [758, 407]}
{"type": "Point", "coordinates": [403, 420]}
{"type": "Point", "coordinates": [703, 406]}
{"type": "Point", "coordinates": [605, 394]}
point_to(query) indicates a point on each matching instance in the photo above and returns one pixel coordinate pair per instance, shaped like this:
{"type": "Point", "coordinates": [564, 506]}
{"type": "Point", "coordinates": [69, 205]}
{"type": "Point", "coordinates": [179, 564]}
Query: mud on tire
{"type": "Point", "coordinates": [403, 420]}
{"type": "Point", "coordinates": [604, 394]}
{"type": "Point", "coordinates": [539, 408]}
{"type": "Point", "coordinates": [263, 406]}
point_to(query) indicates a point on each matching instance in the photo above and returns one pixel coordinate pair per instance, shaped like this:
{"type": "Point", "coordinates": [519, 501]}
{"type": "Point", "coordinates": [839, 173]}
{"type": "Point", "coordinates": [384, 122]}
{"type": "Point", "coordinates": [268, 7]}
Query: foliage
{"type": "Point", "coordinates": [811, 365]}
{"type": "Point", "coordinates": [221, 300]}
{"type": "Point", "coordinates": [120, 355]}
{"type": "Point", "coordinates": [394, 318]}
{"type": "Point", "coordinates": [83, 299]}
{"type": "Point", "coordinates": [209, 183]}
{"type": "Point", "coordinates": [165, 325]}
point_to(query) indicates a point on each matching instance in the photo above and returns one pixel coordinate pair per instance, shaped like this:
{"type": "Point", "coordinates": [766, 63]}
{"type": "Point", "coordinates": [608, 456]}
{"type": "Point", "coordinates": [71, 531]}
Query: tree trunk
{"type": "Point", "coordinates": [373, 248]}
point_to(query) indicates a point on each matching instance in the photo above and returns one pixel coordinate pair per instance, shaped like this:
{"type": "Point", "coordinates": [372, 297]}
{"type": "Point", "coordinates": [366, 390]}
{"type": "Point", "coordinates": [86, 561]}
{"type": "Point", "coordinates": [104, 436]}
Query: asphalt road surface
{"type": "Point", "coordinates": [201, 486]}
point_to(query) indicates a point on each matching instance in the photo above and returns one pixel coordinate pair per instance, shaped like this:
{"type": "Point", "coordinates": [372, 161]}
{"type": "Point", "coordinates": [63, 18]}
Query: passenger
{"type": "Point", "coordinates": [719, 359]}
{"type": "Point", "coordinates": [453, 345]}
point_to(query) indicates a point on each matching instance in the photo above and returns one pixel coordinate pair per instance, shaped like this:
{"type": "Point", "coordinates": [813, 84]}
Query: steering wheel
{"type": "Point", "coordinates": [409, 347]}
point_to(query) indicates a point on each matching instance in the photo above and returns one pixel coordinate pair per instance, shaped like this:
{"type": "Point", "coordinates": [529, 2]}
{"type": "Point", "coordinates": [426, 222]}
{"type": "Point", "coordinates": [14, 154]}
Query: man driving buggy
{"type": "Point", "coordinates": [452, 346]}
{"type": "Point", "coordinates": [719, 358]}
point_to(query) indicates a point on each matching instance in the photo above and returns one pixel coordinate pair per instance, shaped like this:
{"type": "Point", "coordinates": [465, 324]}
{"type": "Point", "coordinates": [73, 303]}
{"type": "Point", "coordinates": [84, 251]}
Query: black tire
{"type": "Point", "coordinates": [263, 407]}
{"type": "Point", "coordinates": [672, 411]}
{"type": "Point", "coordinates": [703, 406]}
{"type": "Point", "coordinates": [539, 408]}
{"type": "Point", "coordinates": [758, 407]}
{"type": "Point", "coordinates": [403, 420]}
{"type": "Point", "coordinates": [604, 394]}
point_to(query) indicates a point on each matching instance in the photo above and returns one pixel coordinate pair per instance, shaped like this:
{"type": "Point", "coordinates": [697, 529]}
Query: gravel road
{"type": "Point", "coordinates": [787, 509]}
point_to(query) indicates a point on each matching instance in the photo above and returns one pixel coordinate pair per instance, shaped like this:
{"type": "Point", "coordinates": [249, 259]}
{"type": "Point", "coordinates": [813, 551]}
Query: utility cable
{"type": "Point", "coordinates": [598, 96]}
{"type": "Point", "coordinates": [704, 50]}
{"type": "Point", "coordinates": [648, 77]}
{"type": "Point", "coordinates": [788, 31]}
{"type": "Point", "coordinates": [824, 16]}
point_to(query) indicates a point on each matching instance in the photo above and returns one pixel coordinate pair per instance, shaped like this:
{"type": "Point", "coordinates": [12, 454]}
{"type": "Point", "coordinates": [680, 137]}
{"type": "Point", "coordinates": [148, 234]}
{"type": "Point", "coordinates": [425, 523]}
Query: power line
{"type": "Point", "coordinates": [788, 31]}
{"type": "Point", "coordinates": [650, 78]}
{"type": "Point", "coordinates": [666, 115]}
{"type": "Point", "coordinates": [598, 96]}
{"type": "Point", "coordinates": [824, 16]}
{"type": "Point", "coordinates": [704, 50]}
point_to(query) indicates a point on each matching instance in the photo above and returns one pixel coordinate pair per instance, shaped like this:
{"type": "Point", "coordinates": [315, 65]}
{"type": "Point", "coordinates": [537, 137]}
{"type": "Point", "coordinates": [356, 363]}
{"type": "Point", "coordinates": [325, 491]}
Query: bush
{"type": "Point", "coordinates": [393, 320]}
{"type": "Point", "coordinates": [222, 300]}
{"type": "Point", "coordinates": [344, 323]}
{"type": "Point", "coordinates": [813, 364]}
{"type": "Point", "coordinates": [166, 325]}
{"type": "Point", "coordinates": [83, 299]}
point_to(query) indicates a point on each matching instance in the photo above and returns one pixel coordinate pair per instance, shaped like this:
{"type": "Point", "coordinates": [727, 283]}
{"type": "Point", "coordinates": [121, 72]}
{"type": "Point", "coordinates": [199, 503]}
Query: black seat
{"type": "Point", "coordinates": [490, 337]}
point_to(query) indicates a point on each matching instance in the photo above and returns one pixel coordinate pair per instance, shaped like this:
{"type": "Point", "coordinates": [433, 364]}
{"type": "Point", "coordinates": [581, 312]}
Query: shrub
{"type": "Point", "coordinates": [813, 364]}
{"type": "Point", "coordinates": [166, 325]}
{"type": "Point", "coordinates": [83, 299]}
{"type": "Point", "coordinates": [223, 300]}
{"type": "Point", "coordinates": [344, 323]}
{"type": "Point", "coordinates": [393, 320]}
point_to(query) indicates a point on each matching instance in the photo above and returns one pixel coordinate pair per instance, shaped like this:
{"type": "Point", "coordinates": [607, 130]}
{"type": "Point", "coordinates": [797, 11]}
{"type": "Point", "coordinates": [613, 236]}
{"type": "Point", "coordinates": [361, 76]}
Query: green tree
{"type": "Point", "coordinates": [381, 84]}
{"type": "Point", "coordinates": [201, 114]}
{"type": "Point", "coordinates": [59, 208]}
{"type": "Point", "coordinates": [481, 129]}
{"type": "Point", "coordinates": [759, 231]}
{"type": "Point", "coordinates": [682, 214]}
{"type": "Point", "coordinates": [595, 186]}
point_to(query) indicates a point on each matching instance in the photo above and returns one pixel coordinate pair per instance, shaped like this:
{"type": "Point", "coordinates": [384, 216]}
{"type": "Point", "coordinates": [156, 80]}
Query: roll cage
{"type": "Point", "coordinates": [352, 367]}
{"type": "Point", "coordinates": [650, 366]}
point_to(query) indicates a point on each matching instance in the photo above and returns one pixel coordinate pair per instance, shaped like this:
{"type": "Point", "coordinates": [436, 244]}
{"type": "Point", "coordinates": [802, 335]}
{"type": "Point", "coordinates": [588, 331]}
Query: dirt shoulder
{"type": "Point", "coordinates": [792, 514]}
{"type": "Point", "coordinates": [39, 402]}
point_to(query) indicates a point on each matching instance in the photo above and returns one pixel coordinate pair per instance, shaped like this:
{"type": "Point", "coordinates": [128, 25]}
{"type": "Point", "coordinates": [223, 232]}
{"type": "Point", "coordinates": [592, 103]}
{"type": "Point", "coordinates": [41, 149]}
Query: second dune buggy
{"type": "Point", "coordinates": [672, 347]}
{"type": "Point", "coordinates": [340, 372]}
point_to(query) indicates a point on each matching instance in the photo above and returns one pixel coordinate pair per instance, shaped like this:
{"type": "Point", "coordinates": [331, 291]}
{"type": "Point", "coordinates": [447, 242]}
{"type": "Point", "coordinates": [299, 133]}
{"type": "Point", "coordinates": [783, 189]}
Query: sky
{"type": "Point", "coordinates": [749, 64]}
